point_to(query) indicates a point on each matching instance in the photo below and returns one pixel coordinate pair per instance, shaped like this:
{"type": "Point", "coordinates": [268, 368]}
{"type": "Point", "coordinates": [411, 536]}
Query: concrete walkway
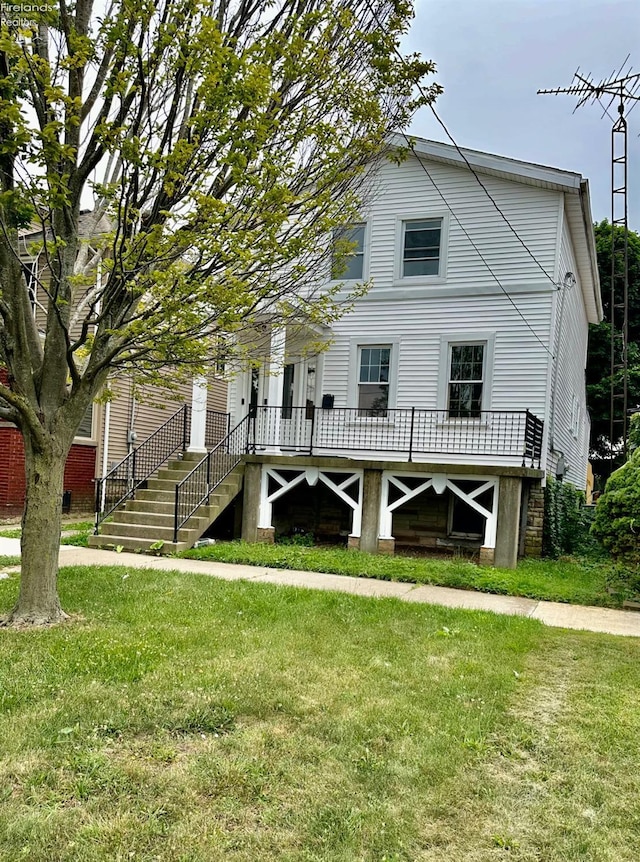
{"type": "Point", "coordinates": [556, 614]}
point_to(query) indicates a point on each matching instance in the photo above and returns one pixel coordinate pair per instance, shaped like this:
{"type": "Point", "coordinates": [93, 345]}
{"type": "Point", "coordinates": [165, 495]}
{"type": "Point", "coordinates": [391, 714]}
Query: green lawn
{"type": "Point", "coordinates": [578, 581]}
{"type": "Point", "coordinates": [77, 533]}
{"type": "Point", "coordinates": [184, 719]}
{"type": "Point", "coordinates": [9, 561]}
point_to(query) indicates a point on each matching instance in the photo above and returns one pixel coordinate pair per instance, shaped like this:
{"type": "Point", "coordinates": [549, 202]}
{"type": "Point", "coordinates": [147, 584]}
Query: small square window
{"type": "Point", "coordinates": [347, 259]}
{"type": "Point", "coordinates": [421, 241]}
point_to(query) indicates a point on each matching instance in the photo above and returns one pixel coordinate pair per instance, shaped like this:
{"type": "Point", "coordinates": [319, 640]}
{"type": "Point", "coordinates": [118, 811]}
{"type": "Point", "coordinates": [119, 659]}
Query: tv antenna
{"type": "Point", "coordinates": [622, 87]}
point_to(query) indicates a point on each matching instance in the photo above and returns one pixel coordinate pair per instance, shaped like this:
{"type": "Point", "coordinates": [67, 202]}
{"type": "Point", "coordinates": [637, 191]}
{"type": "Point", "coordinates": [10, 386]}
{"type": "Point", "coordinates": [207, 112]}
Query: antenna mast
{"type": "Point", "coordinates": [622, 88]}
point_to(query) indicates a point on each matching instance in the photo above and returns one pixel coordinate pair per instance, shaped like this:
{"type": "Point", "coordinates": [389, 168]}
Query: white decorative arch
{"type": "Point", "coordinates": [312, 475]}
{"type": "Point", "coordinates": [440, 482]}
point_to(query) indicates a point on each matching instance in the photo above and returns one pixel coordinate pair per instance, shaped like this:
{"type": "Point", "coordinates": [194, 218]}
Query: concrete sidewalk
{"type": "Point", "coordinates": [556, 614]}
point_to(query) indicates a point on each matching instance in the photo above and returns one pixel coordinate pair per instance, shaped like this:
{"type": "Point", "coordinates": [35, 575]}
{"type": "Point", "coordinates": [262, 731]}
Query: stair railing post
{"type": "Point", "coordinates": [133, 469]}
{"type": "Point", "coordinates": [98, 498]}
{"type": "Point", "coordinates": [184, 427]}
{"type": "Point", "coordinates": [175, 516]}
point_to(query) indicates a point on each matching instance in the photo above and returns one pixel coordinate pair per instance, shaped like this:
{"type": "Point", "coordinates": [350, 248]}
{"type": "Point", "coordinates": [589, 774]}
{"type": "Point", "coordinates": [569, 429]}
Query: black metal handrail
{"type": "Point", "coordinates": [123, 480]}
{"type": "Point", "coordinates": [411, 432]}
{"type": "Point", "coordinates": [197, 486]}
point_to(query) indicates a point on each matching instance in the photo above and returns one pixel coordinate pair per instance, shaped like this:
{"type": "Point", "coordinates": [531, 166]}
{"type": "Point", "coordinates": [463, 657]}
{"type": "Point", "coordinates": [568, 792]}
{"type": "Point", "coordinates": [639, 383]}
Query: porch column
{"type": "Point", "coordinates": [251, 502]}
{"type": "Point", "coordinates": [371, 496]}
{"type": "Point", "coordinates": [275, 388]}
{"type": "Point", "coordinates": [509, 496]}
{"type": "Point", "coordinates": [198, 416]}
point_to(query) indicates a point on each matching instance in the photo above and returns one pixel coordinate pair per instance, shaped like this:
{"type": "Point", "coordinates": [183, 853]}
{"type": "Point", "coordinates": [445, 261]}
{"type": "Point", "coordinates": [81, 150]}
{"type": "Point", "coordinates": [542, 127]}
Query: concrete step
{"type": "Point", "coordinates": [156, 507]}
{"type": "Point", "coordinates": [153, 519]}
{"type": "Point", "coordinates": [155, 496]}
{"type": "Point", "coordinates": [149, 519]}
{"type": "Point", "coordinates": [175, 473]}
{"type": "Point", "coordinates": [144, 531]}
{"type": "Point", "coordinates": [129, 543]}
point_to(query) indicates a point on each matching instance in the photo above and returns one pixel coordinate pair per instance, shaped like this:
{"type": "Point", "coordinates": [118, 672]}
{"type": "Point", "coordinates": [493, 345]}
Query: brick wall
{"type": "Point", "coordinates": [78, 475]}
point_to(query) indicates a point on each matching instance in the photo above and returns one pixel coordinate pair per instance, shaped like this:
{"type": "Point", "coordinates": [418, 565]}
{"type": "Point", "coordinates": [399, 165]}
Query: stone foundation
{"type": "Point", "coordinates": [535, 521]}
{"type": "Point", "coordinates": [386, 546]}
{"type": "Point", "coordinates": [267, 535]}
{"type": "Point", "coordinates": [353, 543]}
{"type": "Point", "coordinates": [486, 556]}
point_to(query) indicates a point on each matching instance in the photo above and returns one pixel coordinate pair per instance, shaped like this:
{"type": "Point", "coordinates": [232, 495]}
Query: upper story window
{"type": "Point", "coordinates": [466, 380]}
{"type": "Point", "coordinates": [421, 247]}
{"type": "Point", "coordinates": [347, 258]}
{"type": "Point", "coordinates": [373, 380]}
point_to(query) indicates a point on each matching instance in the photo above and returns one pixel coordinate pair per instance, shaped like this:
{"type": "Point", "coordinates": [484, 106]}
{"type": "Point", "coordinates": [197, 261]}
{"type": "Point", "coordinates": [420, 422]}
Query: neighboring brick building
{"type": "Point", "coordinates": [78, 475]}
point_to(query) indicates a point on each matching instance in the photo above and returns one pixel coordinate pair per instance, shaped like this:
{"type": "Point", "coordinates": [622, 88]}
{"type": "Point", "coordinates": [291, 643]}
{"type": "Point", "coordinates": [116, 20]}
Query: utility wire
{"type": "Point", "coordinates": [557, 286]}
{"type": "Point", "coordinates": [490, 196]}
{"type": "Point", "coordinates": [475, 247]}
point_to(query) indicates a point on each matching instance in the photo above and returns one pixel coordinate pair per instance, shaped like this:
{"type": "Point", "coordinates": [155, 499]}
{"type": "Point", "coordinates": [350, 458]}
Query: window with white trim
{"type": "Point", "coordinates": [466, 380]}
{"type": "Point", "coordinates": [374, 362]}
{"type": "Point", "coordinates": [86, 426]}
{"type": "Point", "coordinates": [421, 247]}
{"type": "Point", "coordinates": [347, 258]}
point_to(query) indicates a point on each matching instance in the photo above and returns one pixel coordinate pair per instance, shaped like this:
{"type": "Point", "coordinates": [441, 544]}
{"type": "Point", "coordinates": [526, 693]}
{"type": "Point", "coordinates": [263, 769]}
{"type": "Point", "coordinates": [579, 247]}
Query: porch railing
{"type": "Point", "coordinates": [411, 432]}
{"type": "Point", "coordinates": [197, 486]}
{"type": "Point", "coordinates": [124, 479]}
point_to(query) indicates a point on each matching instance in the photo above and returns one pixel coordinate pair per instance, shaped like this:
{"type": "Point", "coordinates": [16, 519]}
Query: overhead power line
{"type": "Point", "coordinates": [475, 247]}
{"type": "Point", "coordinates": [493, 200]}
{"type": "Point", "coordinates": [623, 88]}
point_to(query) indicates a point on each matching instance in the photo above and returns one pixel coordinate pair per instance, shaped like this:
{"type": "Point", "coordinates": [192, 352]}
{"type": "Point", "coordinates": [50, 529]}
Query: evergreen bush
{"type": "Point", "coordinates": [617, 519]}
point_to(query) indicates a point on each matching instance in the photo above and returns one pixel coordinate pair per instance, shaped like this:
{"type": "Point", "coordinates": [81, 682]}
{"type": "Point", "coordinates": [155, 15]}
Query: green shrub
{"type": "Point", "coordinates": [567, 521]}
{"type": "Point", "coordinates": [303, 540]}
{"type": "Point", "coordinates": [617, 520]}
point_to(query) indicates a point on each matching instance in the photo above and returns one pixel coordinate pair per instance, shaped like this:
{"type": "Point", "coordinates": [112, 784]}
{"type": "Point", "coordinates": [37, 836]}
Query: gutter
{"type": "Point", "coordinates": [587, 218]}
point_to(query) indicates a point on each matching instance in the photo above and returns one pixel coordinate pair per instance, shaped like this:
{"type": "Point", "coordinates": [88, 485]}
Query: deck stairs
{"type": "Point", "coordinates": [146, 523]}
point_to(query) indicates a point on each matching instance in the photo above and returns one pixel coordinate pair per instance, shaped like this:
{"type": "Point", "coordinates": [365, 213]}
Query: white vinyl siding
{"type": "Point", "coordinates": [570, 420]}
{"type": "Point", "coordinates": [405, 193]}
{"type": "Point", "coordinates": [518, 366]}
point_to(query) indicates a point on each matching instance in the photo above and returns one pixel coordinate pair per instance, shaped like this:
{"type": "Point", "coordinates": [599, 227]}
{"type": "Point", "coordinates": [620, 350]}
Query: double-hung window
{"type": "Point", "coordinates": [347, 259]}
{"type": "Point", "coordinates": [373, 380]}
{"type": "Point", "coordinates": [421, 247]}
{"type": "Point", "coordinates": [466, 380]}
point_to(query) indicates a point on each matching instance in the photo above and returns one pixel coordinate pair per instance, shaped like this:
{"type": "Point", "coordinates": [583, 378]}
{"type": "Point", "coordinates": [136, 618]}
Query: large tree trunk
{"type": "Point", "coordinates": [38, 602]}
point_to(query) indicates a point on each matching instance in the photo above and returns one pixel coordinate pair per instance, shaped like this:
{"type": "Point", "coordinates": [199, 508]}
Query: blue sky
{"type": "Point", "coordinates": [492, 56]}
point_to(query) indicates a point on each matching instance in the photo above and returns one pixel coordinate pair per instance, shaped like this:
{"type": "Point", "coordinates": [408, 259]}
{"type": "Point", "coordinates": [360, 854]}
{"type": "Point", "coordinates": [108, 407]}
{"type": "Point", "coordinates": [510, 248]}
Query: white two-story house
{"type": "Point", "coordinates": [441, 401]}
{"type": "Point", "coordinates": [454, 387]}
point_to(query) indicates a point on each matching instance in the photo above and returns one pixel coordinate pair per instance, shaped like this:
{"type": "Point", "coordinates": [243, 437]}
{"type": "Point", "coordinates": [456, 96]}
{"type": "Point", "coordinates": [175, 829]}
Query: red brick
{"type": "Point", "coordinates": [78, 475]}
